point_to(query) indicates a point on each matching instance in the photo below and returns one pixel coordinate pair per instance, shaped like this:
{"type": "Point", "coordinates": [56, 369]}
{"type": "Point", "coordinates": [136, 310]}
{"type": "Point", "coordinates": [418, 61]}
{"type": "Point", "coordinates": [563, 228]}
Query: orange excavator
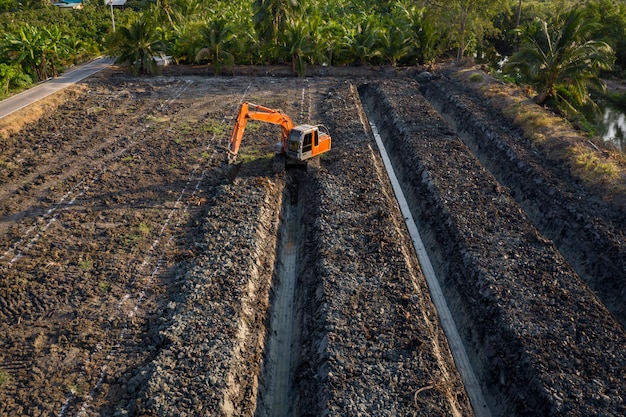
{"type": "Point", "coordinates": [297, 143]}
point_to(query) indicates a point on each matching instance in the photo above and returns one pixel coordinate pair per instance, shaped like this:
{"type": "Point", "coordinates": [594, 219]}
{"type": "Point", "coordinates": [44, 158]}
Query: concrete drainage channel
{"type": "Point", "coordinates": [457, 348]}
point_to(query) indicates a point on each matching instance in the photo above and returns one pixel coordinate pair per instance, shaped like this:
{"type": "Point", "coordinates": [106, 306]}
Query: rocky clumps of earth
{"type": "Point", "coordinates": [137, 278]}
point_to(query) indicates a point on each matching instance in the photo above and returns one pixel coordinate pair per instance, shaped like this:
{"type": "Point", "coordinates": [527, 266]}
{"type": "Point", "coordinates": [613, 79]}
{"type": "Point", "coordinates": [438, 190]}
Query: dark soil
{"type": "Point", "coordinates": [541, 340]}
{"type": "Point", "coordinates": [136, 279]}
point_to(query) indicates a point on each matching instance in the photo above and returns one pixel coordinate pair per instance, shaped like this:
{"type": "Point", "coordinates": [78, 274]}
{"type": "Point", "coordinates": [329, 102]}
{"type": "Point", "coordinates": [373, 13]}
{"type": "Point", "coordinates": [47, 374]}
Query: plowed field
{"type": "Point", "coordinates": [136, 278]}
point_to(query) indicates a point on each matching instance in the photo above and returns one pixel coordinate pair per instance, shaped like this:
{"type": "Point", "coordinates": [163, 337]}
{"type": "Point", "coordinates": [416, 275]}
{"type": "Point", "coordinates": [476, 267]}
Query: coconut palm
{"type": "Point", "coordinates": [137, 45]}
{"type": "Point", "coordinates": [560, 60]}
{"type": "Point", "coordinates": [270, 17]}
{"type": "Point", "coordinates": [216, 36]}
{"type": "Point", "coordinates": [396, 39]}
{"type": "Point", "coordinates": [366, 40]}
{"type": "Point", "coordinates": [297, 44]}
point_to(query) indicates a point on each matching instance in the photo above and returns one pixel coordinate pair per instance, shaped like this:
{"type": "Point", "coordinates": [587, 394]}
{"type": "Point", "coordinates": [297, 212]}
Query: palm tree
{"type": "Point", "coordinates": [297, 41]}
{"type": "Point", "coordinates": [366, 40]}
{"type": "Point", "coordinates": [137, 44]}
{"type": "Point", "coordinates": [165, 12]}
{"type": "Point", "coordinates": [216, 36]}
{"type": "Point", "coordinates": [396, 39]}
{"type": "Point", "coordinates": [270, 17]}
{"type": "Point", "coordinates": [560, 61]}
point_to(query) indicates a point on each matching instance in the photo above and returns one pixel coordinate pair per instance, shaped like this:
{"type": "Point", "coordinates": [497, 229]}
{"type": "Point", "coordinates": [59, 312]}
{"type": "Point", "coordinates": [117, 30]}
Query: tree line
{"type": "Point", "coordinates": [39, 40]}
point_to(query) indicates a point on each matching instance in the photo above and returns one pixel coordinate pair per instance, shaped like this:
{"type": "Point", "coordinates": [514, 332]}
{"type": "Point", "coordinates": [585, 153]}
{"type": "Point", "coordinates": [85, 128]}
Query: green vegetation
{"type": "Point", "coordinates": [104, 287]}
{"type": "Point", "coordinates": [4, 378]}
{"type": "Point", "coordinates": [137, 44]}
{"type": "Point", "coordinates": [85, 264]}
{"type": "Point", "coordinates": [560, 59]}
{"type": "Point", "coordinates": [560, 47]}
{"type": "Point", "coordinates": [136, 235]}
{"type": "Point", "coordinates": [42, 39]}
{"type": "Point", "coordinates": [144, 228]}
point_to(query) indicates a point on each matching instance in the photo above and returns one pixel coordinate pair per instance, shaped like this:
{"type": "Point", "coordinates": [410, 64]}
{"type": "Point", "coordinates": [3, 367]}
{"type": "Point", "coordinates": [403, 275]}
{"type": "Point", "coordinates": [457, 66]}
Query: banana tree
{"type": "Point", "coordinates": [26, 47]}
{"type": "Point", "coordinates": [12, 76]}
{"type": "Point", "coordinates": [55, 47]}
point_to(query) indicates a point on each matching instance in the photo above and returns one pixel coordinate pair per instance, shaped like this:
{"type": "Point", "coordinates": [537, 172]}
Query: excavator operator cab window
{"type": "Point", "coordinates": [315, 138]}
{"type": "Point", "coordinates": [306, 144]}
{"type": "Point", "coordinates": [294, 141]}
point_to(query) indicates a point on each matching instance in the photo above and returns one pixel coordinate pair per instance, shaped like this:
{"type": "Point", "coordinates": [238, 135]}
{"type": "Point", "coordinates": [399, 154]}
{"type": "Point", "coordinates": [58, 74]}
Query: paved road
{"type": "Point", "coordinates": [23, 99]}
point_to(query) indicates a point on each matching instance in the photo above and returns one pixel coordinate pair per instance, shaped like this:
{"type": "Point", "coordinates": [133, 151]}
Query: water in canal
{"type": "Point", "coordinates": [613, 126]}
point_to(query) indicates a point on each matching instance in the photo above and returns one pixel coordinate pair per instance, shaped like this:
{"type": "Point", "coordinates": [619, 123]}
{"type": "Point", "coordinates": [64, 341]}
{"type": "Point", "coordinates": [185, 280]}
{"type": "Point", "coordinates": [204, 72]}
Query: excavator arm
{"type": "Point", "coordinates": [250, 111]}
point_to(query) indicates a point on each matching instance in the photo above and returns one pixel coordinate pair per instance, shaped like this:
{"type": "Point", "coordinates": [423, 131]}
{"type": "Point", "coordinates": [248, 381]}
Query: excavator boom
{"type": "Point", "coordinates": [250, 111]}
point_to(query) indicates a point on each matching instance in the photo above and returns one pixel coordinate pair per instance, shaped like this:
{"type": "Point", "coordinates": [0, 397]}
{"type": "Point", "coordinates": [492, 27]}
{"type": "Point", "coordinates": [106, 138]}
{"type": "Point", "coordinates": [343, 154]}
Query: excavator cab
{"type": "Point", "coordinates": [307, 141]}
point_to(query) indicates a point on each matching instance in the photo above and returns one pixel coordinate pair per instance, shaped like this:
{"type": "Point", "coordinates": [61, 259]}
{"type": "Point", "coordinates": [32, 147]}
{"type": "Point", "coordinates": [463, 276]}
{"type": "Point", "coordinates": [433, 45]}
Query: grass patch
{"type": "Point", "coordinates": [253, 154]}
{"type": "Point", "coordinates": [476, 78]}
{"type": "Point", "coordinates": [96, 110]}
{"type": "Point", "coordinates": [104, 286]}
{"type": "Point", "coordinates": [76, 387]}
{"type": "Point", "coordinates": [598, 168]}
{"type": "Point", "coordinates": [136, 235]}
{"type": "Point", "coordinates": [215, 127]}
{"type": "Point", "coordinates": [185, 129]}
{"type": "Point", "coordinates": [591, 166]}
{"type": "Point", "coordinates": [85, 264]}
{"type": "Point", "coordinates": [129, 239]}
{"type": "Point", "coordinates": [159, 119]}
{"type": "Point", "coordinates": [5, 378]}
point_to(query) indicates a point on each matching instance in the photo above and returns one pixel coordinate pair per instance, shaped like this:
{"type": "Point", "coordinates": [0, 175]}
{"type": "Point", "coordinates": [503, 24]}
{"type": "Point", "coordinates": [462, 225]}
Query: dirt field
{"type": "Point", "coordinates": [136, 279]}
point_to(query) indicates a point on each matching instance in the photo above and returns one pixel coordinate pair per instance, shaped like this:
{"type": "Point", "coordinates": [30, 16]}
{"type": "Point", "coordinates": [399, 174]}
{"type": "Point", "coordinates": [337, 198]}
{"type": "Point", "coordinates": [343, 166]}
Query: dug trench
{"type": "Point", "coordinates": [588, 231]}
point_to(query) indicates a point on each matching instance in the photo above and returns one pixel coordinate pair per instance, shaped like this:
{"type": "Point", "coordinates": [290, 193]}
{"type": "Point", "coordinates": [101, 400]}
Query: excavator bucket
{"type": "Point", "coordinates": [231, 168]}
